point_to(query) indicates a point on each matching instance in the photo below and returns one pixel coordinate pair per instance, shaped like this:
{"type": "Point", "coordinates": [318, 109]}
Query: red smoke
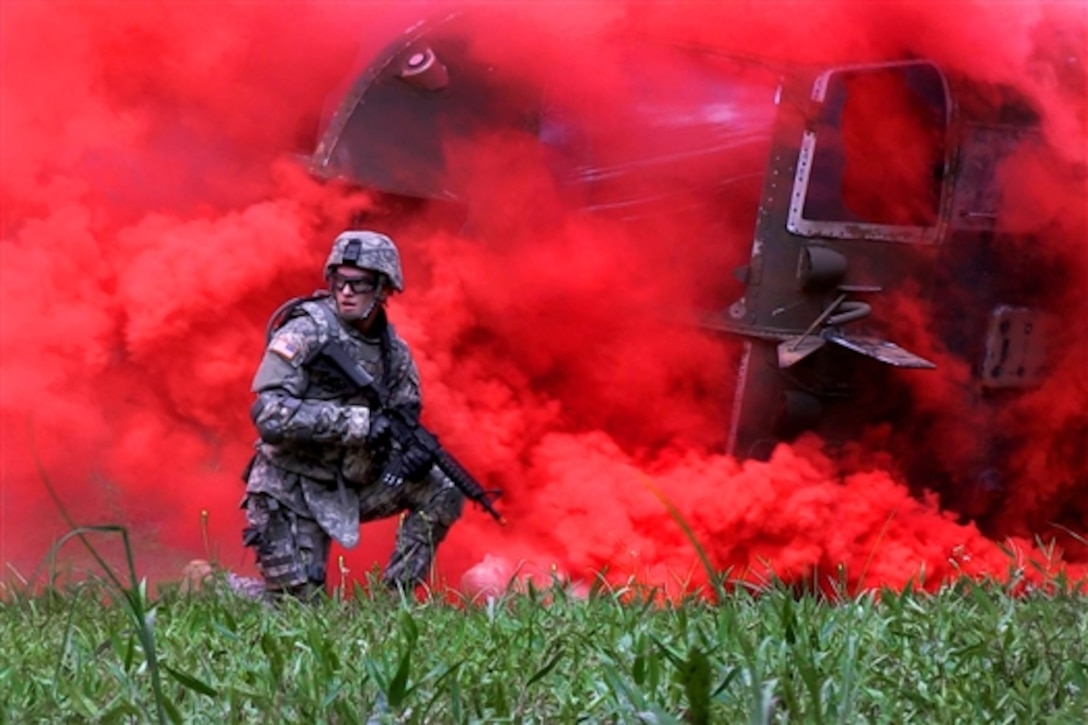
{"type": "Point", "coordinates": [153, 218]}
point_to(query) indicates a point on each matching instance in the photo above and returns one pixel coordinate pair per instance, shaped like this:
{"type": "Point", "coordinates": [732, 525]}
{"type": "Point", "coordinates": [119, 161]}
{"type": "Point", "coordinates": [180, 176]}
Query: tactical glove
{"type": "Point", "coordinates": [380, 430]}
{"type": "Point", "coordinates": [411, 464]}
{"type": "Point", "coordinates": [417, 462]}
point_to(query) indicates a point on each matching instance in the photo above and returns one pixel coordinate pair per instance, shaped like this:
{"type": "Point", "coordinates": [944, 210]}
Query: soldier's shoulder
{"type": "Point", "coordinates": [300, 322]}
{"type": "Point", "coordinates": [319, 304]}
{"type": "Point", "coordinates": [307, 315]}
{"type": "Point", "coordinates": [299, 330]}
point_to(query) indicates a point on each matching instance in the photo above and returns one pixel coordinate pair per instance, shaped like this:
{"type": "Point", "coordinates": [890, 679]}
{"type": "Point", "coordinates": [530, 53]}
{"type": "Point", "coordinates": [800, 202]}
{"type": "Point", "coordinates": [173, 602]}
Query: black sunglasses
{"type": "Point", "coordinates": [358, 285]}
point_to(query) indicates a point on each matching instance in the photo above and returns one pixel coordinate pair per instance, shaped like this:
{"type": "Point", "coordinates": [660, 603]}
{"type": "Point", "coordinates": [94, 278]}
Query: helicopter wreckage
{"type": "Point", "coordinates": [838, 242]}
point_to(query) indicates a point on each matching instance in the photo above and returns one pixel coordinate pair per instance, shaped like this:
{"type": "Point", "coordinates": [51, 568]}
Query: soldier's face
{"type": "Point", "coordinates": [355, 291]}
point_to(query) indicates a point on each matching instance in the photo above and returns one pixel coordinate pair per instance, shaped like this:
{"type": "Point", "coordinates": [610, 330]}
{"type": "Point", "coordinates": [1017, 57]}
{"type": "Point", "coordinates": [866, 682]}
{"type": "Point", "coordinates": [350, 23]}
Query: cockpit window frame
{"type": "Point", "coordinates": [798, 224]}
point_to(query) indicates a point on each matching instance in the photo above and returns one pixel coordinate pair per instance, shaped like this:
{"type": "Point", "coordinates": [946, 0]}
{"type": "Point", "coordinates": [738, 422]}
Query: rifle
{"type": "Point", "coordinates": [407, 431]}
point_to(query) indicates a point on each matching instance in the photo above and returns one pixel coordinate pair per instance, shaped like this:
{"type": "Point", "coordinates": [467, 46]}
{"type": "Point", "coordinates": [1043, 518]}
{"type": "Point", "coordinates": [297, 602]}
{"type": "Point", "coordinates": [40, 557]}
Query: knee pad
{"type": "Point", "coordinates": [313, 548]}
{"type": "Point", "coordinates": [428, 525]}
{"type": "Point", "coordinates": [445, 507]}
{"type": "Point", "coordinates": [291, 550]}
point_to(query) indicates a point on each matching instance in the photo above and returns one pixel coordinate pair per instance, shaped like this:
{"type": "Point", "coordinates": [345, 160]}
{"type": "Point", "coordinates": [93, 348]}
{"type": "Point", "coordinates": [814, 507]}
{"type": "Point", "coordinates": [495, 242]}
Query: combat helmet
{"type": "Point", "coordinates": [367, 250]}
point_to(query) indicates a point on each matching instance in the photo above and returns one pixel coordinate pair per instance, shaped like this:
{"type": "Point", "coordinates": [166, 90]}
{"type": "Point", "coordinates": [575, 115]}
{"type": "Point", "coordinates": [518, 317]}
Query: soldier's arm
{"type": "Point", "coordinates": [280, 413]}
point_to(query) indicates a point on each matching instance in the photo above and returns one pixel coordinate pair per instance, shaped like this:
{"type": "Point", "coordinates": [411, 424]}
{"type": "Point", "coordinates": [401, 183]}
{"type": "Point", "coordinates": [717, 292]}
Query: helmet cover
{"type": "Point", "coordinates": [367, 250]}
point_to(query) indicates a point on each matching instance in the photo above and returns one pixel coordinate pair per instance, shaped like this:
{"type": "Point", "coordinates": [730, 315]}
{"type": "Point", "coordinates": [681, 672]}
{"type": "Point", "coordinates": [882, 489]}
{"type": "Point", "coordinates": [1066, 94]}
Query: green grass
{"type": "Point", "coordinates": [104, 650]}
{"type": "Point", "coordinates": [970, 652]}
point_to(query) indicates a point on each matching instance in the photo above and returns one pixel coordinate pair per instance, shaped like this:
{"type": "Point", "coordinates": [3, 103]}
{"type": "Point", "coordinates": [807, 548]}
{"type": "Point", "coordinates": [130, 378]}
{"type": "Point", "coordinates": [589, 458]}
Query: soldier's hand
{"type": "Point", "coordinates": [411, 464]}
{"type": "Point", "coordinates": [381, 428]}
{"type": "Point", "coordinates": [417, 461]}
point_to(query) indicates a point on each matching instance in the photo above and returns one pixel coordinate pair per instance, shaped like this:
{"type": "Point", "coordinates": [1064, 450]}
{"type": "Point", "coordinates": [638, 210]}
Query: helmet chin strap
{"type": "Point", "coordinates": [361, 316]}
{"type": "Point", "coordinates": [369, 308]}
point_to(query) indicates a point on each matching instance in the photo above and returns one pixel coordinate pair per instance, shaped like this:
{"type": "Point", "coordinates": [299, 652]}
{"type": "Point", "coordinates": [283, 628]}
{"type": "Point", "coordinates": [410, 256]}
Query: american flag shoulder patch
{"type": "Point", "coordinates": [287, 346]}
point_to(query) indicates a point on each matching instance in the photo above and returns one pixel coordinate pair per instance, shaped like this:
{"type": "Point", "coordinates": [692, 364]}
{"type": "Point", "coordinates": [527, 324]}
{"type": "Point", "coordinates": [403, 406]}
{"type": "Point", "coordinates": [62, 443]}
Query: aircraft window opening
{"type": "Point", "coordinates": [875, 157]}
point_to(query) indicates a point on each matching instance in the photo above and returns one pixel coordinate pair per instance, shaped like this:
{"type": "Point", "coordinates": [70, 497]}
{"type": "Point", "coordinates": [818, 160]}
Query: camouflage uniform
{"type": "Point", "coordinates": [314, 475]}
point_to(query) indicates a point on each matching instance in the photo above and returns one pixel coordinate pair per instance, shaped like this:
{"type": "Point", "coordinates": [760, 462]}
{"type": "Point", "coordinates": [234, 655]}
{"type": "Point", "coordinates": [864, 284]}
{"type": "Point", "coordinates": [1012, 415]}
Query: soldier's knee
{"type": "Point", "coordinates": [429, 525]}
{"type": "Point", "coordinates": [290, 551]}
{"type": "Point", "coordinates": [445, 506]}
{"type": "Point", "coordinates": [313, 546]}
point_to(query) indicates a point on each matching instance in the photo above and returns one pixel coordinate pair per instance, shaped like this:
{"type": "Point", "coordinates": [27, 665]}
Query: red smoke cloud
{"type": "Point", "coordinates": [152, 219]}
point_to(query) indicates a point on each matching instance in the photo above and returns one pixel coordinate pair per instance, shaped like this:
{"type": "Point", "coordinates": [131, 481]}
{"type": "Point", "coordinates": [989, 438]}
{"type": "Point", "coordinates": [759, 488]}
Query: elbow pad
{"type": "Point", "coordinates": [270, 417]}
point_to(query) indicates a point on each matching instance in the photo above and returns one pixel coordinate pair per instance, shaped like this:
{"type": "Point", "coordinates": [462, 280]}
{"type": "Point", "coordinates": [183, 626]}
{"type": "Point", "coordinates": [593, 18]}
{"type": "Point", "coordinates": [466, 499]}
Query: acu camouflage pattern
{"type": "Point", "coordinates": [377, 252]}
{"type": "Point", "coordinates": [303, 414]}
{"type": "Point", "coordinates": [292, 550]}
{"type": "Point", "coordinates": [304, 409]}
